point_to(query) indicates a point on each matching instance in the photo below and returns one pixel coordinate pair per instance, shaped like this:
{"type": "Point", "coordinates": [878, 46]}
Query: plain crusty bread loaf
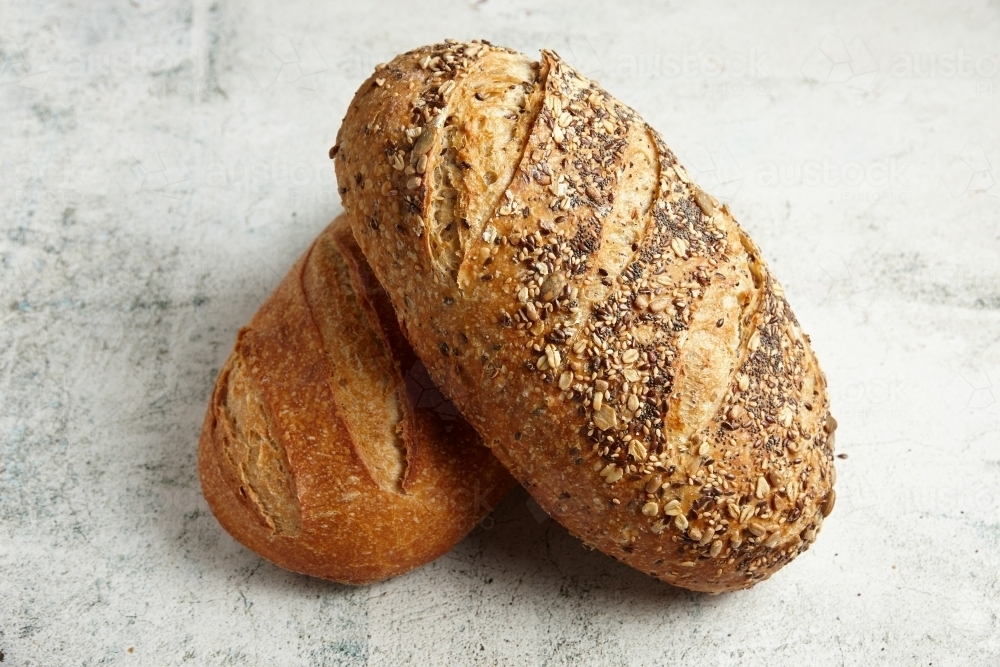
{"type": "Point", "coordinates": [605, 324]}
{"type": "Point", "coordinates": [326, 448]}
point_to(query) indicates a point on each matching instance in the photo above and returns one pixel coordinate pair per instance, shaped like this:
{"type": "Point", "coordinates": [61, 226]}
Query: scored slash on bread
{"type": "Point", "coordinates": [320, 450]}
{"type": "Point", "coordinates": [605, 324]}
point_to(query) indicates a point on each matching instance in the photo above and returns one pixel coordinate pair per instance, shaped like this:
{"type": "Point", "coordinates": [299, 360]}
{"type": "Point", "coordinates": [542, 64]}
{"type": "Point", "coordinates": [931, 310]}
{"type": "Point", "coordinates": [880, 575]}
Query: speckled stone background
{"type": "Point", "coordinates": [162, 165]}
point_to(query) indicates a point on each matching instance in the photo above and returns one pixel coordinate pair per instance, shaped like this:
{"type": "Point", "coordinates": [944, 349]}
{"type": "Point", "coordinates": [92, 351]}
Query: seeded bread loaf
{"type": "Point", "coordinates": [605, 324]}
{"type": "Point", "coordinates": [326, 448]}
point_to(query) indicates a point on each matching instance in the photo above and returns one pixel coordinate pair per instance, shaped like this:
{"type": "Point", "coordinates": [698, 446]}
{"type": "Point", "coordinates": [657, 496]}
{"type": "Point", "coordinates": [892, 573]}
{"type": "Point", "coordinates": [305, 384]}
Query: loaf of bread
{"type": "Point", "coordinates": [326, 448]}
{"type": "Point", "coordinates": [605, 324]}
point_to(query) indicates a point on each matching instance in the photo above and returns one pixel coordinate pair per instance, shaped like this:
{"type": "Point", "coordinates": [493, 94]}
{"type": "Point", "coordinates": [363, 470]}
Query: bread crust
{"type": "Point", "coordinates": [608, 327]}
{"type": "Point", "coordinates": [325, 448]}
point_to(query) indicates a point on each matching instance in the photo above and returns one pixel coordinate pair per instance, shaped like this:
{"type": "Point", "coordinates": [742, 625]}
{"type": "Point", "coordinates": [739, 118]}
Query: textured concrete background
{"type": "Point", "coordinates": [163, 165]}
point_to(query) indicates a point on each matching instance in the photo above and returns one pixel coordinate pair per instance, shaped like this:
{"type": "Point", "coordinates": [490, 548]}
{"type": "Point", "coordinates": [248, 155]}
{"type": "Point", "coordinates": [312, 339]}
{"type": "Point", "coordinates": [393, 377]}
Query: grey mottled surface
{"type": "Point", "coordinates": [162, 165]}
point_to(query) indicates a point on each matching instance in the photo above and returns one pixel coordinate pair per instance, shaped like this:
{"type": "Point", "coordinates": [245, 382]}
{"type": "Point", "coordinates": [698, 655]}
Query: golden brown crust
{"type": "Point", "coordinates": [609, 329]}
{"type": "Point", "coordinates": [325, 448]}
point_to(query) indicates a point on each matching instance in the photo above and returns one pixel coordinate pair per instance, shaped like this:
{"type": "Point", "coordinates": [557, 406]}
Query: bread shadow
{"type": "Point", "coordinates": [516, 552]}
{"type": "Point", "coordinates": [520, 546]}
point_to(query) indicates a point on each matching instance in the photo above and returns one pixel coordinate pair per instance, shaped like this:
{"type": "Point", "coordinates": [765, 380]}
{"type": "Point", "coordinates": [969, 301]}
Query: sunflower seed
{"type": "Point", "coordinates": [553, 286]}
{"type": "Point", "coordinates": [679, 246]}
{"type": "Point", "coordinates": [716, 549]}
{"type": "Point", "coordinates": [831, 424]}
{"type": "Point", "coordinates": [660, 303]}
{"type": "Point", "coordinates": [828, 503]}
{"type": "Point", "coordinates": [424, 142]}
